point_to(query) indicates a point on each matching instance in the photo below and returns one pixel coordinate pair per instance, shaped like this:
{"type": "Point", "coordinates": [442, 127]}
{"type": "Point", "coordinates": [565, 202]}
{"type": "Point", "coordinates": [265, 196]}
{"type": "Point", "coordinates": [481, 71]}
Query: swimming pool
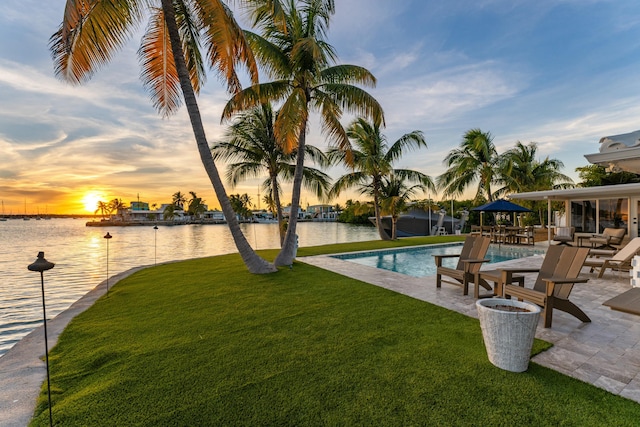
{"type": "Point", "coordinates": [418, 261]}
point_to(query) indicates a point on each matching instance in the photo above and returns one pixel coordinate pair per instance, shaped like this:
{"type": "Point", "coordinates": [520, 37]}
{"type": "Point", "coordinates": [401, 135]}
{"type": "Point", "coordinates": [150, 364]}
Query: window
{"type": "Point", "coordinates": [614, 213]}
{"type": "Point", "coordinates": [583, 216]}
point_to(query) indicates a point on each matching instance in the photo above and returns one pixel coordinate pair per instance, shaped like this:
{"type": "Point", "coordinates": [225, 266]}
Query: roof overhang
{"type": "Point", "coordinates": [618, 153]}
{"type": "Point", "coordinates": [587, 193]}
{"type": "Point", "coordinates": [627, 159]}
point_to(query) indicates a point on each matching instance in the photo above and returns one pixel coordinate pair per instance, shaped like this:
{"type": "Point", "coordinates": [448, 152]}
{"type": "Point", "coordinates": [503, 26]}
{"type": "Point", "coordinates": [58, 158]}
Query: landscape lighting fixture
{"type": "Point", "coordinates": [108, 237]}
{"type": "Point", "coordinates": [41, 265]}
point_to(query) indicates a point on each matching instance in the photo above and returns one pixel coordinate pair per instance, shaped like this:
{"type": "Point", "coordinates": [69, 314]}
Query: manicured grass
{"type": "Point", "coordinates": [203, 342]}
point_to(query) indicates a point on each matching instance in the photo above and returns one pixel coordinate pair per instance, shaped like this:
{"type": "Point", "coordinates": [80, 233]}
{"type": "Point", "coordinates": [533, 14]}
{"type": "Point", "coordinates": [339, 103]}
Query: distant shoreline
{"type": "Point", "coordinates": [110, 223]}
{"type": "Point", "coordinates": [119, 223]}
{"type": "Point", "coordinates": [45, 216]}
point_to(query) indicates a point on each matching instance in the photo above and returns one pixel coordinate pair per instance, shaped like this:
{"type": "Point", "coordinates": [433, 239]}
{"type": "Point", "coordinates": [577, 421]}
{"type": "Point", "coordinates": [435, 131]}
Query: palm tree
{"type": "Point", "coordinates": [294, 52]}
{"type": "Point", "coordinates": [251, 144]}
{"type": "Point", "coordinates": [373, 162]}
{"type": "Point", "coordinates": [172, 62]}
{"type": "Point", "coordinates": [169, 212]}
{"type": "Point", "coordinates": [394, 198]}
{"type": "Point", "coordinates": [117, 206]}
{"type": "Point", "coordinates": [475, 161]}
{"type": "Point", "coordinates": [103, 207]}
{"type": "Point", "coordinates": [196, 205]}
{"type": "Point", "coordinates": [596, 175]}
{"type": "Point", "coordinates": [267, 199]}
{"type": "Point", "coordinates": [520, 171]}
{"type": "Point", "coordinates": [178, 199]}
{"type": "Point", "coordinates": [241, 205]}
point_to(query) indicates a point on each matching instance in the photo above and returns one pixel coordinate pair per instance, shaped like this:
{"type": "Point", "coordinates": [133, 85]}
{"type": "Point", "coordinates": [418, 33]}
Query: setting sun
{"type": "Point", "coordinates": [90, 201]}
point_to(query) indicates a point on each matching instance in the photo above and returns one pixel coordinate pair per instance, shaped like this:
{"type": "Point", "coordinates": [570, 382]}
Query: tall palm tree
{"type": "Point", "coordinates": [251, 144]}
{"type": "Point", "coordinates": [395, 195]}
{"type": "Point", "coordinates": [178, 199]}
{"type": "Point", "coordinates": [474, 161]}
{"type": "Point", "coordinates": [172, 62]}
{"type": "Point", "coordinates": [241, 205]}
{"type": "Point", "coordinates": [117, 206]}
{"type": "Point", "coordinates": [521, 171]}
{"type": "Point", "coordinates": [196, 205]}
{"type": "Point", "coordinates": [372, 162]}
{"type": "Point", "coordinates": [169, 212]}
{"type": "Point", "coordinates": [270, 203]}
{"type": "Point", "coordinates": [103, 208]}
{"type": "Point", "coordinates": [294, 52]}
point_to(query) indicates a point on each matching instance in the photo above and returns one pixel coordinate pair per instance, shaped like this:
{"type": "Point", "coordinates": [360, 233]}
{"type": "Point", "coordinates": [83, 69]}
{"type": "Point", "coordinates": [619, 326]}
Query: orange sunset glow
{"type": "Point", "coordinates": [90, 201]}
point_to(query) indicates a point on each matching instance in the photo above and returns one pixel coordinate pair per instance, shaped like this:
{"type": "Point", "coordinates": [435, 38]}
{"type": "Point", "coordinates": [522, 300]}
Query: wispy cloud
{"type": "Point", "coordinates": [561, 73]}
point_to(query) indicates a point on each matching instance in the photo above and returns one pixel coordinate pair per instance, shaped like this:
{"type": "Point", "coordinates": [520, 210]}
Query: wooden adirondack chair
{"type": "Point", "coordinates": [470, 260]}
{"type": "Point", "coordinates": [556, 277]}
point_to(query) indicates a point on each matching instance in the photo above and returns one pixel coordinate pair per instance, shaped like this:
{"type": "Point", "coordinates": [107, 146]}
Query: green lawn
{"type": "Point", "coordinates": [203, 342]}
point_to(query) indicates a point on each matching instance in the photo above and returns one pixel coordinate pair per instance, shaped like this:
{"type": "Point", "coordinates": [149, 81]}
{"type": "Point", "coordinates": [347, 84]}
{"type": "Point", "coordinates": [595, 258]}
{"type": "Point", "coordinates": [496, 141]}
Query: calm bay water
{"type": "Point", "coordinates": [80, 255]}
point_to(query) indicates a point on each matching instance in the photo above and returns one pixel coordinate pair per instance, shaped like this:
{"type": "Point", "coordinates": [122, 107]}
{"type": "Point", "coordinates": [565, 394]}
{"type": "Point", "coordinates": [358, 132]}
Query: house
{"type": "Point", "coordinates": [592, 209]}
{"type": "Point", "coordinates": [323, 213]}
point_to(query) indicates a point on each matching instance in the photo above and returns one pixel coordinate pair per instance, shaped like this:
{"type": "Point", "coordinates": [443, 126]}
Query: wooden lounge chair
{"type": "Point", "coordinates": [564, 235]}
{"type": "Point", "coordinates": [608, 238]}
{"type": "Point", "coordinates": [621, 260]}
{"type": "Point", "coordinates": [556, 277]}
{"type": "Point", "coordinates": [470, 259]}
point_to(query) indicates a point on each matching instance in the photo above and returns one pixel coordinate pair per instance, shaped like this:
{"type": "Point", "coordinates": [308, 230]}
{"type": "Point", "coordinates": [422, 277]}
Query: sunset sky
{"type": "Point", "coordinates": [563, 73]}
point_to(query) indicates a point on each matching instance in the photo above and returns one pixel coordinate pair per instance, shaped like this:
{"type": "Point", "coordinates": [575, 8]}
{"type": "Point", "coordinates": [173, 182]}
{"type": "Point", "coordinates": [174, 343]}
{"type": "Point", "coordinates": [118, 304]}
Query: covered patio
{"type": "Point", "coordinates": [592, 209]}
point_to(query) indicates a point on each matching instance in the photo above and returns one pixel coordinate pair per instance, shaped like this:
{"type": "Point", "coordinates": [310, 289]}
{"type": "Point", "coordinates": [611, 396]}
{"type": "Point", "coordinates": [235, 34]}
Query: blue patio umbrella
{"type": "Point", "coordinates": [500, 205]}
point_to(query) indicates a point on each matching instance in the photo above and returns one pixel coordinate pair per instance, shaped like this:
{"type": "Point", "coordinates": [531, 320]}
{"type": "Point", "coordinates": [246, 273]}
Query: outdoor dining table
{"type": "Point", "coordinates": [511, 233]}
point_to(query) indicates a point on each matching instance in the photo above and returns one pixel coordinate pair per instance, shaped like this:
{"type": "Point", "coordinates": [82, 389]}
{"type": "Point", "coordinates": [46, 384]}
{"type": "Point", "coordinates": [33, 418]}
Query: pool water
{"type": "Point", "coordinates": [419, 262]}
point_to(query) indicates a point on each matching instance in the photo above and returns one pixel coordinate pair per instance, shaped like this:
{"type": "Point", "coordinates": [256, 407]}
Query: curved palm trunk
{"type": "Point", "coordinates": [254, 263]}
{"type": "Point", "coordinates": [376, 206]}
{"type": "Point", "coordinates": [276, 200]}
{"type": "Point", "coordinates": [394, 227]}
{"type": "Point", "coordinates": [288, 252]}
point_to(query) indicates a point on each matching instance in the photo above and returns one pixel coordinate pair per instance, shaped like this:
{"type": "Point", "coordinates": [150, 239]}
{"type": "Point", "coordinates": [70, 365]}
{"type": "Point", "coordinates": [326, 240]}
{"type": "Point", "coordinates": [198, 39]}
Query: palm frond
{"type": "Point", "coordinates": [254, 96]}
{"type": "Point", "coordinates": [408, 141]}
{"type": "Point", "coordinates": [291, 118]}
{"type": "Point", "coordinates": [348, 74]}
{"type": "Point", "coordinates": [347, 181]}
{"type": "Point", "coordinates": [270, 57]}
{"type": "Point", "coordinates": [239, 172]}
{"type": "Point", "coordinates": [189, 28]}
{"type": "Point", "coordinates": [356, 101]}
{"type": "Point", "coordinates": [90, 33]}
{"type": "Point", "coordinates": [225, 43]}
{"type": "Point", "coordinates": [159, 75]}
{"type": "Point", "coordinates": [268, 12]}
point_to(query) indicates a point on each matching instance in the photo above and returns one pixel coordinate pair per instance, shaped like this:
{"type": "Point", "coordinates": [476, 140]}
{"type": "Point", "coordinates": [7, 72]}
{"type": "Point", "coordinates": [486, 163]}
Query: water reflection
{"type": "Point", "coordinates": [79, 253]}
